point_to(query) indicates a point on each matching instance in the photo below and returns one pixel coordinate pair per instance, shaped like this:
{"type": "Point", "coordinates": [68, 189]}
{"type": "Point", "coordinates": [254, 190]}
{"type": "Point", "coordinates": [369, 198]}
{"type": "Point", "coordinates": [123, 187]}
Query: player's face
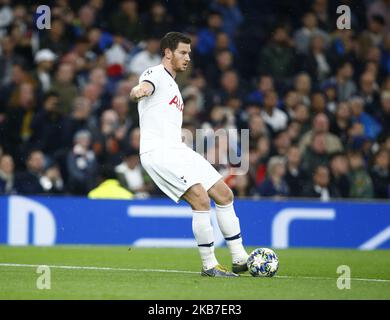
{"type": "Point", "coordinates": [181, 57]}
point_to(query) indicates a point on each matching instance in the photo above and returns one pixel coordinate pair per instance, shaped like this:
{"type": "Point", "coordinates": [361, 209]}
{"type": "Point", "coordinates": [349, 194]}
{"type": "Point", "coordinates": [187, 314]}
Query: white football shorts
{"type": "Point", "coordinates": [174, 170]}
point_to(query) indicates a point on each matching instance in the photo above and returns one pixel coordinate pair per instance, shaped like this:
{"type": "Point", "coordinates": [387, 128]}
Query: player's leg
{"type": "Point", "coordinates": [229, 224]}
{"type": "Point", "coordinates": [196, 196]}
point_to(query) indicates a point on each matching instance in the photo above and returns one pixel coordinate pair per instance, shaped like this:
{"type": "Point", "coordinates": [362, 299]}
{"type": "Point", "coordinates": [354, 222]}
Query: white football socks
{"type": "Point", "coordinates": [203, 232]}
{"type": "Point", "coordinates": [230, 228]}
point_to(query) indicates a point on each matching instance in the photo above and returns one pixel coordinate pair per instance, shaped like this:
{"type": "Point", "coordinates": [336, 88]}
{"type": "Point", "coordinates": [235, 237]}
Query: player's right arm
{"type": "Point", "coordinates": [144, 89]}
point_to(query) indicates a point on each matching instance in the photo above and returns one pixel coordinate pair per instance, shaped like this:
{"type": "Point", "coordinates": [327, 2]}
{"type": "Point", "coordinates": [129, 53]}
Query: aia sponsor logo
{"type": "Point", "coordinates": [177, 103]}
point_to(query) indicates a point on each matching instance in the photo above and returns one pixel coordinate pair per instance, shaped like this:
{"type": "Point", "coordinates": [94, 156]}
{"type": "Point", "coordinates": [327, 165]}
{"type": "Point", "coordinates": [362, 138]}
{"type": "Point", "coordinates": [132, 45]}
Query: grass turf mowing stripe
{"type": "Point", "coordinates": [18, 265]}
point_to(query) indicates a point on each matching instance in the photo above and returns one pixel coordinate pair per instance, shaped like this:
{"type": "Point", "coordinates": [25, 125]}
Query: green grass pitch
{"type": "Point", "coordinates": [151, 273]}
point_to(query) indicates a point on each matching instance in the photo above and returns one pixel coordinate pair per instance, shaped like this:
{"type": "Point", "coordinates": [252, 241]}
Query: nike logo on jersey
{"type": "Point", "coordinates": [177, 103]}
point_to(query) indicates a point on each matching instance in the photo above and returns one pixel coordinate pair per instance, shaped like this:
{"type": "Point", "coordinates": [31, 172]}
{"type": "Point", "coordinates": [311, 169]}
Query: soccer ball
{"type": "Point", "coordinates": [263, 262]}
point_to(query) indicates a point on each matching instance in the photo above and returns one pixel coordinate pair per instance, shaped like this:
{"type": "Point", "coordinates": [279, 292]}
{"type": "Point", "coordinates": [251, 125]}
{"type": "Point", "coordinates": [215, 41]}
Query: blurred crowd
{"type": "Point", "coordinates": [316, 99]}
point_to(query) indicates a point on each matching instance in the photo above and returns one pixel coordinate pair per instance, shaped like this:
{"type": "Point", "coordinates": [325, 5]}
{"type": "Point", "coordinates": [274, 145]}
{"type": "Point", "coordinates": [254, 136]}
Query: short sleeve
{"type": "Point", "coordinates": [151, 76]}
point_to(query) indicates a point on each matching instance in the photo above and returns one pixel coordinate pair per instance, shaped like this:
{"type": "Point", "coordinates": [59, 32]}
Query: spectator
{"type": "Point", "coordinates": [275, 185]}
{"type": "Point", "coordinates": [80, 119]}
{"type": "Point", "coordinates": [373, 36]}
{"type": "Point", "coordinates": [109, 187]}
{"type": "Point", "coordinates": [18, 121]}
{"type": "Point", "coordinates": [224, 61]}
{"type": "Point", "coordinates": [157, 21]}
{"type": "Point", "coordinates": [56, 39]}
{"type": "Point", "coordinates": [385, 114]}
{"type": "Point", "coordinates": [309, 29]}
{"type": "Point", "coordinates": [207, 36]}
{"type": "Point", "coordinates": [303, 86]}
{"type": "Point", "coordinates": [317, 61]}
{"type": "Point", "coordinates": [52, 181]}
{"type": "Point", "coordinates": [146, 58]}
{"type": "Point", "coordinates": [47, 125]}
{"type": "Point", "coordinates": [361, 183]}
{"type": "Point", "coordinates": [265, 83]}
{"type": "Point", "coordinates": [318, 104]}
{"type": "Point", "coordinates": [231, 15]}
{"type": "Point", "coordinates": [282, 143]}
{"type": "Point", "coordinates": [86, 20]}
{"type": "Point", "coordinates": [7, 59]}
{"type": "Point", "coordinates": [258, 158]}
{"type": "Point", "coordinates": [132, 176]}
{"type": "Point", "coordinates": [382, 8]}
{"type": "Point", "coordinates": [230, 92]}
{"type": "Point", "coordinates": [120, 104]}
{"type": "Point", "coordinates": [339, 174]}
{"type": "Point", "coordinates": [345, 86]}
{"type": "Point", "coordinates": [273, 116]}
{"type": "Point", "coordinates": [302, 116]}
{"type": "Point", "coordinates": [294, 131]}
{"type": "Point", "coordinates": [370, 127]}
{"type": "Point", "coordinates": [321, 10]}
{"type": "Point", "coordinates": [385, 60]}
{"type": "Point", "coordinates": [81, 164]}
{"type": "Point", "coordinates": [341, 123]}
{"type": "Point", "coordinates": [370, 94]}
{"type": "Point", "coordinates": [295, 176]}
{"type": "Point", "coordinates": [321, 125]}
{"type": "Point", "coordinates": [6, 16]}
{"type": "Point", "coordinates": [320, 186]}
{"type": "Point", "coordinates": [44, 59]}
{"type": "Point", "coordinates": [380, 174]}
{"type": "Point", "coordinates": [257, 128]}
{"type": "Point", "coordinates": [277, 57]}
{"type": "Point", "coordinates": [329, 89]}
{"type": "Point", "coordinates": [242, 186]}
{"type": "Point", "coordinates": [126, 21]}
{"type": "Point", "coordinates": [108, 138]}
{"type": "Point", "coordinates": [316, 154]}
{"type": "Point", "coordinates": [29, 181]}
{"type": "Point", "coordinates": [64, 85]}
{"type": "Point", "coordinates": [7, 175]}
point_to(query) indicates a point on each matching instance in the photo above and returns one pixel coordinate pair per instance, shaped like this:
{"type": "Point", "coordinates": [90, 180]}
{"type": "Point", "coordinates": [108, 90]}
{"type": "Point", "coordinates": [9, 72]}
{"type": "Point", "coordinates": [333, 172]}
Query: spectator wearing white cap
{"type": "Point", "coordinates": [44, 60]}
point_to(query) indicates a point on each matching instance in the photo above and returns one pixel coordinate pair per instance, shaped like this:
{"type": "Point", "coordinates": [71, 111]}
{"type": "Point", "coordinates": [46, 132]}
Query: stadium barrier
{"type": "Point", "coordinates": [161, 223]}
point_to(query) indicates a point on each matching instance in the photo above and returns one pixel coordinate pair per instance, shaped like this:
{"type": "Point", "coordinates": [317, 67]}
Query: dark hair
{"type": "Point", "coordinates": [107, 171]}
{"type": "Point", "coordinates": [378, 19]}
{"type": "Point", "coordinates": [171, 40]}
{"type": "Point", "coordinates": [49, 94]}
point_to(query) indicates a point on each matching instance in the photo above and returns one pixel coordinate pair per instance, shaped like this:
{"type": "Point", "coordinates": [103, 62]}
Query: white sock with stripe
{"type": "Point", "coordinates": [230, 228]}
{"type": "Point", "coordinates": [204, 235]}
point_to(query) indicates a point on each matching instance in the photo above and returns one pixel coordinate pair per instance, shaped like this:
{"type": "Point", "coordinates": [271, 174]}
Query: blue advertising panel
{"type": "Point", "coordinates": [161, 222]}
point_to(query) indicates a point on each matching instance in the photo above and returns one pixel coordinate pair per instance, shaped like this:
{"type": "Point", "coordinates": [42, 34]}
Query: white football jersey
{"type": "Point", "coordinates": [160, 114]}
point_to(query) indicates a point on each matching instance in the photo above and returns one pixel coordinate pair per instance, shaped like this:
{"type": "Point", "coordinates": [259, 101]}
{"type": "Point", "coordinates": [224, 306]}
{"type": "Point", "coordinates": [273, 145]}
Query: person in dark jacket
{"type": "Point", "coordinates": [380, 174]}
{"type": "Point", "coordinates": [339, 174]}
{"type": "Point", "coordinates": [320, 186]}
{"type": "Point", "coordinates": [274, 184]}
{"type": "Point", "coordinates": [28, 182]}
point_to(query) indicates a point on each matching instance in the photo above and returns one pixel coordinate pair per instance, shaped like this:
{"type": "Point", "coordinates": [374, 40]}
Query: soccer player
{"type": "Point", "coordinates": [178, 171]}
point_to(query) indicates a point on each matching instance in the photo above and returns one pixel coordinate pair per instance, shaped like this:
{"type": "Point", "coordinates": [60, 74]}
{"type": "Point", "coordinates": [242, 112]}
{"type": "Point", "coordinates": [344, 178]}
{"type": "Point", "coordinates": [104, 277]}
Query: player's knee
{"type": "Point", "coordinates": [203, 202]}
{"type": "Point", "coordinates": [226, 197]}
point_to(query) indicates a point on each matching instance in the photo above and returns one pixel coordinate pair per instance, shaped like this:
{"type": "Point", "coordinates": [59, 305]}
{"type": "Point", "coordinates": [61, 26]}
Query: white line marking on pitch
{"type": "Point", "coordinates": [18, 265]}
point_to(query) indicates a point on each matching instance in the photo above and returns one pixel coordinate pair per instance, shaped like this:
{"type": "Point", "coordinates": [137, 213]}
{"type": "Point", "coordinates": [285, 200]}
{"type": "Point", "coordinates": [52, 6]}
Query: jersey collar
{"type": "Point", "coordinates": [169, 73]}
